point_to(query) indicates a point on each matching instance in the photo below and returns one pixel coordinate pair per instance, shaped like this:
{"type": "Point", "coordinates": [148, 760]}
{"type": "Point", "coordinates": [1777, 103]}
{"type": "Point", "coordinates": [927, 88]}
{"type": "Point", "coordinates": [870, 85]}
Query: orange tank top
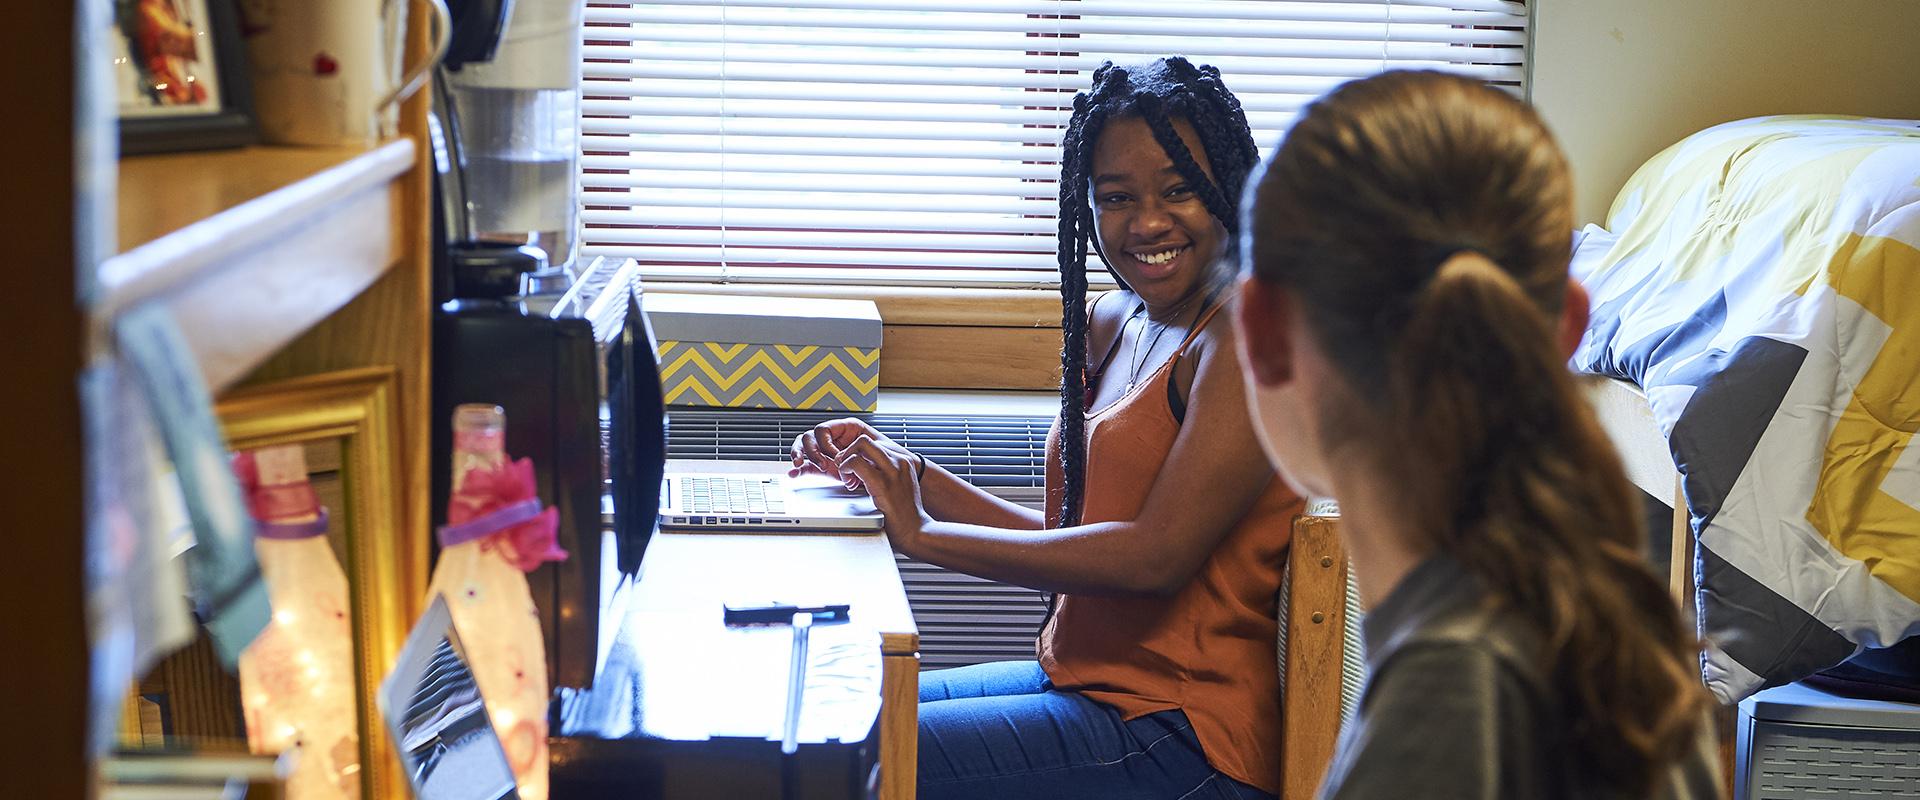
{"type": "Point", "coordinates": [1209, 649]}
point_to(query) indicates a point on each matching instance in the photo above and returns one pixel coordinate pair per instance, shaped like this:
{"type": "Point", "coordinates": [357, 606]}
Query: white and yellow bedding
{"type": "Point", "coordinates": [1761, 283]}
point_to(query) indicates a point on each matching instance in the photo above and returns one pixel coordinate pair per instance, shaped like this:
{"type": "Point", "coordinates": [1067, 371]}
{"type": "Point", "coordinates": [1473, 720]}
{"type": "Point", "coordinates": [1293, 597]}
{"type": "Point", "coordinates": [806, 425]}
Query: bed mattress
{"type": "Point", "coordinates": [1760, 281]}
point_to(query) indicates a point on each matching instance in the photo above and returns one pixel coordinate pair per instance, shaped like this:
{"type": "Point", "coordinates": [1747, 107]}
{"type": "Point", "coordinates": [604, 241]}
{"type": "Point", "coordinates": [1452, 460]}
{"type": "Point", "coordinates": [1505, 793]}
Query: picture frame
{"type": "Point", "coordinates": [179, 76]}
{"type": "Point", "coordinates": [386, 565]}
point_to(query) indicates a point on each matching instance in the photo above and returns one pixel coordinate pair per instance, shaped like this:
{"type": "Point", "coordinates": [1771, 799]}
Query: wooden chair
{"type": "Point", "coordinates": [1323, 660]}
{"type": "Point", "coordinates": [1322, 657]}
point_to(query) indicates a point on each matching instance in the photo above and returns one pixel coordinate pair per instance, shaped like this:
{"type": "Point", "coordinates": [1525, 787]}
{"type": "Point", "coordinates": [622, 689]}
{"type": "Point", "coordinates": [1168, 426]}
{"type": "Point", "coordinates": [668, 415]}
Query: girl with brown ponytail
{"type": "Point", "coordinates": [1165, 529]}
{"type": "Point", "coordinates": [1405, 317]}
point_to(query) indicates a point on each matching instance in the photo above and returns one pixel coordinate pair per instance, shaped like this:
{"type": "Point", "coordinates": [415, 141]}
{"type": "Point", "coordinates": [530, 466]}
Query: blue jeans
{"type": "Point", "coordinates": [1000, 731]}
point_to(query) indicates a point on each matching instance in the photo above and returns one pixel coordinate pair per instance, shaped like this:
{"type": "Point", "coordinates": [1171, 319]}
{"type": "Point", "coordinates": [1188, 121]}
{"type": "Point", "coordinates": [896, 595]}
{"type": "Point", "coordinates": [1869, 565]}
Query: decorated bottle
{"type": "Point", "coordinates": [297, 678]}
{"type": "Point", "coordinates": [496, 532]}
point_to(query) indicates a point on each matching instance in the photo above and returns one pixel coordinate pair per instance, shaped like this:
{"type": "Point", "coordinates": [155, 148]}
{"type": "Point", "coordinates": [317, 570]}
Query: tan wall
{"type": "Point", "coordinates": [1619, 80]}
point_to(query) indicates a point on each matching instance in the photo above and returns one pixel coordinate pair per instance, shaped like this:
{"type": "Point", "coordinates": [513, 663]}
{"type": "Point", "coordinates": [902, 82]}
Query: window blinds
{"type": "Point", "coordinates": [916, 141]}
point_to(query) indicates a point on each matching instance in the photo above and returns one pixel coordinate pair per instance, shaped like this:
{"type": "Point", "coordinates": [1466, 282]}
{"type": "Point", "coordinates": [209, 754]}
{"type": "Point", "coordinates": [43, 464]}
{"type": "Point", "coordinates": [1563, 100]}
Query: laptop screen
{"type": "Point", "coordinates": [438, 719]}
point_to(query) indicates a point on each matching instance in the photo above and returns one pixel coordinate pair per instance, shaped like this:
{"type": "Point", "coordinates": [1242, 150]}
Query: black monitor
{"type": "Point", "coordinates": [577, 377]}
{"type": "Point", "coordinates": [636, 435]}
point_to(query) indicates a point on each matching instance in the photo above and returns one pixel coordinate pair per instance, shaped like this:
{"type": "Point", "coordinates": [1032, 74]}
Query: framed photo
{"type": "Point", "coordinates": [351, 416]}
{"type": "Point", "coordinates": [178, 75]}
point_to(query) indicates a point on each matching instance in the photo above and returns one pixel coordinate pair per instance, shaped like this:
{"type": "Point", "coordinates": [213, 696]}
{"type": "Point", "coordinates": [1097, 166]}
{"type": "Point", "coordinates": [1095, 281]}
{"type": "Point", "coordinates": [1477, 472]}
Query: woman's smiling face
{"type": "Point", "coordinates": [1153, 229]}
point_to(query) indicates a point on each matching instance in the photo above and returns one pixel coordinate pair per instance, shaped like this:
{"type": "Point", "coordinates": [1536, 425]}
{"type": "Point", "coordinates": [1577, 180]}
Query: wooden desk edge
{"type": "Point", "coordinates": [899, 644]}
{"type": "Point", "coordinates": [899, 727]}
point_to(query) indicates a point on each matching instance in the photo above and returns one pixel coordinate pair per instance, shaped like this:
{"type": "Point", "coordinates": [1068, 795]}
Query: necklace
{"type": "Point", "coordinates": [1134, 359]}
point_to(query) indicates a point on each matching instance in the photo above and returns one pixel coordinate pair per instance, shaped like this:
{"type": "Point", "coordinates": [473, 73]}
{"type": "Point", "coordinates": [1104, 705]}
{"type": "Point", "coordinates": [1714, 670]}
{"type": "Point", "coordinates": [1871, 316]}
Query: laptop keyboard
{"type": "Point", "coordinates": [700, 495]}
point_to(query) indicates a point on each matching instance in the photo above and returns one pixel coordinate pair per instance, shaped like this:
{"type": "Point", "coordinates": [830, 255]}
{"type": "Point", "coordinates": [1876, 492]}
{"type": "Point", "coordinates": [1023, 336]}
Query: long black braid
{"type": "Point", "coordinates": [1167, 89]}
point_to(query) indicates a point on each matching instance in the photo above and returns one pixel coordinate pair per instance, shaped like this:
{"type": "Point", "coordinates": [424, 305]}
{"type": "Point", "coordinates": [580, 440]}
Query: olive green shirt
{"type": "Point", "coordinates": [1456, 707]}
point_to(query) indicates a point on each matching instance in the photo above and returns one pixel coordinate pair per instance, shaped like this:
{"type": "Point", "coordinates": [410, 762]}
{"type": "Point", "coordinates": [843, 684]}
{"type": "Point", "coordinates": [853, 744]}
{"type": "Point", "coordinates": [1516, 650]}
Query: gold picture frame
{"type": "Point", "coordinates": [386, 564]}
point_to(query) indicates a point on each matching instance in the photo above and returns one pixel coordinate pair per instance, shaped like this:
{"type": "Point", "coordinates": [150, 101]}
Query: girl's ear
{"type": "Point", "coordinates": [1573, 318]}
{"type": "Point", "coordinates": [1260, 322]}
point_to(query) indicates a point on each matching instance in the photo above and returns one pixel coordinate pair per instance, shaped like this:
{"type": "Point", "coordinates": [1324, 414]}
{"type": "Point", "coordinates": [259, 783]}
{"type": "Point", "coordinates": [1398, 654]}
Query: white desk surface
{"type": "Point", "coordinates": [699, 572]}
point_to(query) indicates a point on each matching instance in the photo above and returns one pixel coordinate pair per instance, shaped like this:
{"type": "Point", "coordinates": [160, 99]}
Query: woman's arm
{"type": "Point", "coordinates": [1212, 477]}
{"type": "Point", "coordinates": [944, 495]}
{"type": "Point", "coordinates": [955, 500]}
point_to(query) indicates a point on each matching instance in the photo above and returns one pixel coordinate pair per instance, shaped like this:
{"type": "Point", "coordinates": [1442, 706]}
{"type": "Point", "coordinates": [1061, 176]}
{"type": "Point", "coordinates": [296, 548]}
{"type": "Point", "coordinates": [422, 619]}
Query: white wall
{"type": "Point", "coordinates": [1619, 80]}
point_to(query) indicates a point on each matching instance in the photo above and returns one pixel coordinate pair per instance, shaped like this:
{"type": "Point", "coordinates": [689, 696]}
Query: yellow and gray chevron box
{"type": "Point", "coordinates": [722, 351]}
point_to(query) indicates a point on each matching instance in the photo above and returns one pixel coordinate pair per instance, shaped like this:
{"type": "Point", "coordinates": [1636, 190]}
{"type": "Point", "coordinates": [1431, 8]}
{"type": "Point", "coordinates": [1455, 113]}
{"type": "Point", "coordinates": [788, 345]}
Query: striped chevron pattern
{"type": "Point", "coordinates": [1761, 283]}
{"type": "Point", "coordinates": [741, 375]}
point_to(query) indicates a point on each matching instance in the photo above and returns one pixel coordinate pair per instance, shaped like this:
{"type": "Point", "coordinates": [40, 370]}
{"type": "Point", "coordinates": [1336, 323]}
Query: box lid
{"type": "Point", "coordinates": [763, 320]}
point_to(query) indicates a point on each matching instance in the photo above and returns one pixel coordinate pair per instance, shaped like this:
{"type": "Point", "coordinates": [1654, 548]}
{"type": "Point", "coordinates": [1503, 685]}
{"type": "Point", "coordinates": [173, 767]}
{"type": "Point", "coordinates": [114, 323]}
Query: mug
{"type": "Point", "coordinates": [330, 72]}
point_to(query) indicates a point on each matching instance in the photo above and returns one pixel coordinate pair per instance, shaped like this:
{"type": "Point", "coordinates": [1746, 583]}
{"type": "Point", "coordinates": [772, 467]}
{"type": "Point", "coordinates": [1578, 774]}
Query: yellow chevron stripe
{"type": "Point", "coordinates": [864, 357]}
{"type": "Point", "coordinates": [692, 384]}
{"type": "Point", "coordinates": [673, 367]}
{"type": "Point", "coordinates": [793, 383]}
{"type": "Point", "coordinates": [724, 381]}
{"type": "Point", "coordinates": [761, 387]}
{"type": "Point", "coordinates": [794, 358]}
{"type": "Point", "coordinates": [720, 380]}
{"type": "Point", "coordinates": [1852, 507]}
{"type": "Point", "coordinates": [831, 388]}
{"type": "Point", "coordinates": [717, 381]}
{"type": "Point", "coordinates": [726, 352]}
{"type": "Point", "coordinates": [826, 362]}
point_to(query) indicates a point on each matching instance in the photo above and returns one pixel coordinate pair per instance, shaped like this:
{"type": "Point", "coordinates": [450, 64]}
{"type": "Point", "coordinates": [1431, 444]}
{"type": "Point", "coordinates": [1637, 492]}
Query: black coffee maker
{"type": "Point", "coordinates": [571, 361]}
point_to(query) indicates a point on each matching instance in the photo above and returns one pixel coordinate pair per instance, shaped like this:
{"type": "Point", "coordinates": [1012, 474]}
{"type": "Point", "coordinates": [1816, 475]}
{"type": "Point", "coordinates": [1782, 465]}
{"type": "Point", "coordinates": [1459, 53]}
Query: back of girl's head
{"type": "Point", "coordinates": [1379, 182]}
{"type": "Point", "coordinates": [1424, 223]}
{"type": "Point", "coordinates": [1159, 93]}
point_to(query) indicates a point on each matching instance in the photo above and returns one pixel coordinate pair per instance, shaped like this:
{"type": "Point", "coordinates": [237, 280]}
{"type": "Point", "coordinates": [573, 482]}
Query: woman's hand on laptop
{"type": "Point", "coordinates": [890, 474]}
{"type": "Point", "coordinates": [820, 448]}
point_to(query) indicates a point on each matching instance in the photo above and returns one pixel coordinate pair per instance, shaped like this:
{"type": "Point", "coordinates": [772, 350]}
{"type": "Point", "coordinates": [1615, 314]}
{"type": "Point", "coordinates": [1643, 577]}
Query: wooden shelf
{"type": "Point", "coordinates": [252, 247]}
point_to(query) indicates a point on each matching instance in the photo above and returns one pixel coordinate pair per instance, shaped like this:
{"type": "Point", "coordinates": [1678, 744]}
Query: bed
{"type": "Point", "coordinates": [1756, 327]}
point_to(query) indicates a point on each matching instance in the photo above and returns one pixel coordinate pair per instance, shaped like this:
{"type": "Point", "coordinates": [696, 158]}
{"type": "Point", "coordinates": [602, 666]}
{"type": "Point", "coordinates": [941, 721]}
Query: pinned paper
{"type": "Point", "coordinates": [136, 594]}
{"type": "Point", "coordinates": [223, 574]}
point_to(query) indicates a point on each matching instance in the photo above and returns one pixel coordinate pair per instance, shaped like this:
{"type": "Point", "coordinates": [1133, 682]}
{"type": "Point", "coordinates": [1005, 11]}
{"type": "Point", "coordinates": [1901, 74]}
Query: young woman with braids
{"type": "Point", "coordinates": [1405, 322]}
{"type": "Point", "coordinates": [1165, 531]}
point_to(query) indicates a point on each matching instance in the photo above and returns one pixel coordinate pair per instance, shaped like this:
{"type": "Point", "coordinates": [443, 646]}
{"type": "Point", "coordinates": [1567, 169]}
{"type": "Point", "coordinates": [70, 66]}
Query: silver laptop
{"type": "Point", "coordinates": [761, 502]}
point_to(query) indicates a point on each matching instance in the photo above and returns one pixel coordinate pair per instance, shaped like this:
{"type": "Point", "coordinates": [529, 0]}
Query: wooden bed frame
{"type": "Point", "coordinates": [1628, 420]}
{"type": "Point", "coordinates": [1623, 411]}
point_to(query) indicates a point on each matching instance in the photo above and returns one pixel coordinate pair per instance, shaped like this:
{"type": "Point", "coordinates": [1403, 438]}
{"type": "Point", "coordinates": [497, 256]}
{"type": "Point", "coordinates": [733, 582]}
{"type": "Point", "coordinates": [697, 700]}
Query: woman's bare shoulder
{"type": "Point", "coordinates": [1215, 337]}
{"type": "Point", "coordinates": [1106, 312]}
